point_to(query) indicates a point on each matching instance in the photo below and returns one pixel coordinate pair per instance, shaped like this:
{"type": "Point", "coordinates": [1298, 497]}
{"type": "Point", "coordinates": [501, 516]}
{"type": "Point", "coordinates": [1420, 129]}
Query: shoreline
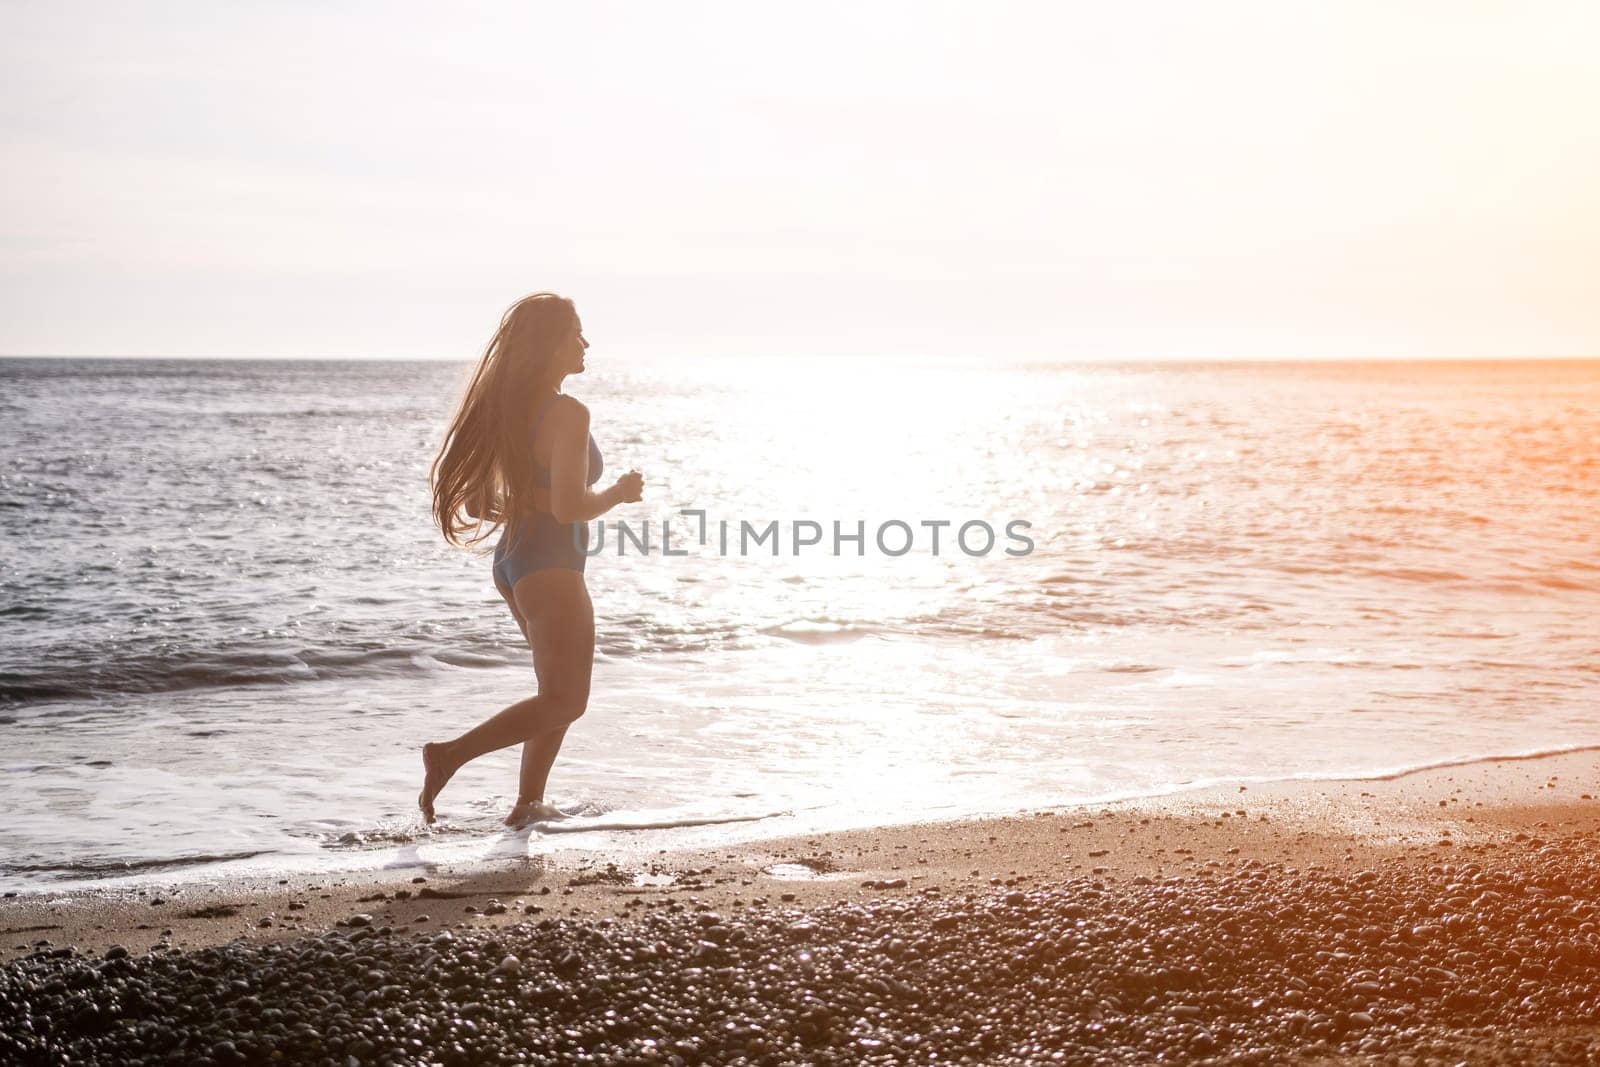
{"type": "Point", "coordinates": [1299, 822]}
{"type": "Point", "coordinates": [1441, 914]}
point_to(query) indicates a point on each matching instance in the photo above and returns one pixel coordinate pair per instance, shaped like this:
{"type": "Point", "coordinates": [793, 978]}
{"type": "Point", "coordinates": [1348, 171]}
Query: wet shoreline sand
{"type": "Point", "coordinates": [1442, 916]}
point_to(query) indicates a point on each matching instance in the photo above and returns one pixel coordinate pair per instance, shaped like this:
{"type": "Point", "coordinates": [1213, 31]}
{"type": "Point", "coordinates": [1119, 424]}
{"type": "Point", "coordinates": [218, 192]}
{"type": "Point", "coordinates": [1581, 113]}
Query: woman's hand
{"type": "Point", "coordinates": [630, 487]}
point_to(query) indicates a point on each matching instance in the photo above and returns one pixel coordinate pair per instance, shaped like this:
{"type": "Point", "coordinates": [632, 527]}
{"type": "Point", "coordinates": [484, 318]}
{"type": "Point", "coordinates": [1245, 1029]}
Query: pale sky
{"type": "Point", "coordinates": [1073, 181]}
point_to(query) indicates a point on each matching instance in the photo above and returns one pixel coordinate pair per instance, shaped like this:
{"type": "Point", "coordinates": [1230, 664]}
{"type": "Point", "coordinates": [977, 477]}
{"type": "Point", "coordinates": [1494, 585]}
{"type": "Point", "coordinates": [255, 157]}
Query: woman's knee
{"type": "Point", "coordinates": [565, 706]}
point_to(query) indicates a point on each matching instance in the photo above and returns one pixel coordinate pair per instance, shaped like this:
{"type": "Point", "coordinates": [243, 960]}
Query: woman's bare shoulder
{"type": "Point", "coordinates": [569, 411]}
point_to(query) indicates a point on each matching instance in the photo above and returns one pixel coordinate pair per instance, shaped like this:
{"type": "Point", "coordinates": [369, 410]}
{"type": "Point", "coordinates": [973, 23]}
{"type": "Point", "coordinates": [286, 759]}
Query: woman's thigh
{"type": "Point", "coordinates": [510, 598]}
{"type": "Point", "coordinates": [558, 617]}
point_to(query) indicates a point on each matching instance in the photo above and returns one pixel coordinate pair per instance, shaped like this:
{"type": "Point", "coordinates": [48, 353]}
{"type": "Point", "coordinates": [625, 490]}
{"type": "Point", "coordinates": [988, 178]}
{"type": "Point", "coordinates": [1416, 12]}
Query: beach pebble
{"type": "Point", "coordinates": [885, 883]}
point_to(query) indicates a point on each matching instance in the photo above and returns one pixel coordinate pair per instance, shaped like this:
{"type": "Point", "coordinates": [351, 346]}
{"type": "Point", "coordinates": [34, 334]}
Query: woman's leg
{"type": "Point", "coordinates": [538, 753]}
{"type": "Point", "coordinates": [568, 669]}
{"type": "Point", "coordinates": [559, 617]}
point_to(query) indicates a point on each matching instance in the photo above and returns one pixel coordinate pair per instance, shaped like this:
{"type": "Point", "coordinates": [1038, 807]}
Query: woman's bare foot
{"type": "Point", "coordinates": [436, 771]}
{"type": "Point", "coordinates": [528, 812]}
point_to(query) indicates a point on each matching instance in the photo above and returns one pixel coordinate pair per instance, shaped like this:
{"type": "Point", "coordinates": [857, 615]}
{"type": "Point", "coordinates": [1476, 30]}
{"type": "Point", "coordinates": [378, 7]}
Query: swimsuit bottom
{"type": "Point", "coordinates": [538, 545]}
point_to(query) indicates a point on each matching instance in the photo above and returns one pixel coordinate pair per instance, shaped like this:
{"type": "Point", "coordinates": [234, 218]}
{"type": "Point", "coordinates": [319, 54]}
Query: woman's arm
{"type": "Point", "coordinates": [571, 499]}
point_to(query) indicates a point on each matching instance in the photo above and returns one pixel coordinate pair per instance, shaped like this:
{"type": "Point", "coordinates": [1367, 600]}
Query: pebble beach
{"type": "Point", "coordinates": [1442, 917]}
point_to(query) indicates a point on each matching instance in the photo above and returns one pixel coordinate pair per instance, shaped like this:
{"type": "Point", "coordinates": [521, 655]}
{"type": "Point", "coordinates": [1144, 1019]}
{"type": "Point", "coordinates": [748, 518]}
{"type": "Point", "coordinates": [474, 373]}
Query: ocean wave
{"type": "Point", "coordinates": [1376, 774]}
{"type": "Point", "coordinates": [80, 673]}
{"type": "Point", "coordinates": [112, 868]}
{"type": "Point", "coordinates": [1395, 773]}
{"type": "Point", "coordinates": [647, 821]}
{"type": "Point", "coordinates": [819, 632]}
{"type": "Point", "coordinates": [202, 670]}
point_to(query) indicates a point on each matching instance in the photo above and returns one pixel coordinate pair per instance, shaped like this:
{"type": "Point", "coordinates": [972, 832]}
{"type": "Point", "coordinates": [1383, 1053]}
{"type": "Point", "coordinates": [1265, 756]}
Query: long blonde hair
{"type": "Point", "coordinates": [483, 475]}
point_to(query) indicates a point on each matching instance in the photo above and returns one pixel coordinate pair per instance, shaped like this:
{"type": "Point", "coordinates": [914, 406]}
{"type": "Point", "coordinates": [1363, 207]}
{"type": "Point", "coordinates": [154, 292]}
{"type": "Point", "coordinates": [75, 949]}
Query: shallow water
{"type": "Point", "coordinates": [228, 623]}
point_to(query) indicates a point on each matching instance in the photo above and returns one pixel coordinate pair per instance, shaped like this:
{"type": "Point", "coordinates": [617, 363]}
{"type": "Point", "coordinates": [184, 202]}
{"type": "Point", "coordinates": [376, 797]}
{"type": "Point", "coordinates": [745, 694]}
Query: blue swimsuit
{"type": "Point", "coordinates": [542, 542]}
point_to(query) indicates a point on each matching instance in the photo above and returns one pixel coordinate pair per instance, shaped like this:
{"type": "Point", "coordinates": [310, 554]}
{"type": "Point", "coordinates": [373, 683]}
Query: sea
{"type": "Point", "coordinates": [227, 624]}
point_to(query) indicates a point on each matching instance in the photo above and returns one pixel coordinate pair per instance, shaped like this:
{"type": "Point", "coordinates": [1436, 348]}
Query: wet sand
{"type": "Point", "coordinates": [1441, 917]}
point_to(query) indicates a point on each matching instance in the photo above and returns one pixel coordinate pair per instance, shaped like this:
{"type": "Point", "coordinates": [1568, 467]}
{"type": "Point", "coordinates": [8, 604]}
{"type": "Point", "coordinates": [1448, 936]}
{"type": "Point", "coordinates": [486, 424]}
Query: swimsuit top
{"type": "Point", "coordinates": [541, 475]}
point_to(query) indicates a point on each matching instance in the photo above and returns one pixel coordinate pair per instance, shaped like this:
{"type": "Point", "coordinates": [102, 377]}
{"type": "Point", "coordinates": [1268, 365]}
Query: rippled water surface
{"type": "Point", "coordinates": [228, 623]}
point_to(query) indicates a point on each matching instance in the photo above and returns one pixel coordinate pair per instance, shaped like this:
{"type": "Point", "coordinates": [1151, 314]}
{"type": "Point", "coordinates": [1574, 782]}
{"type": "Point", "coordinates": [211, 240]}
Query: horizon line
{"type": "Point", "coordinates": [1475, 358]}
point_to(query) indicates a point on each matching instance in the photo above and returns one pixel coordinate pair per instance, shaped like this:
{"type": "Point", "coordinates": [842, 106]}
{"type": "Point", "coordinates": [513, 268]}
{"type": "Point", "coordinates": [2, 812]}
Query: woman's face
{"type": "Point", "coordinates": [569, 357]}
